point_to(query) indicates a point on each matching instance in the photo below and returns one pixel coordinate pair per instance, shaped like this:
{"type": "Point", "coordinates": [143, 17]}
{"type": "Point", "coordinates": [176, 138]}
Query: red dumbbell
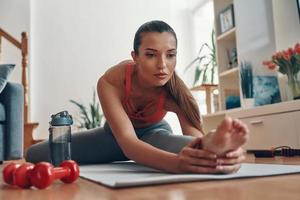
{"type": "Point", "coordinates": [16, 174]}
{"type": "Point", "coordinates": [43, 174]}
{"type": "Point", "coordinates": [8, 173]}
{"type": "Point", "coordinates": [40, 175]}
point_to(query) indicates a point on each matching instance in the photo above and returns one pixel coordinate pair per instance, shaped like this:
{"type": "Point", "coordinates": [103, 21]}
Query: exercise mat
{"type": "Point", "coordinates": [129, 174]}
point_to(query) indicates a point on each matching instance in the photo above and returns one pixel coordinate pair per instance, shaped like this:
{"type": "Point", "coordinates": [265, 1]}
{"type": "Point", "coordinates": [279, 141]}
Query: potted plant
{"type": "Point", "coordinates": [91, 116]}
{"type": "Point", "coordinates": [205, 64]}
{"type": "Point", "coordinates": [246, 76]}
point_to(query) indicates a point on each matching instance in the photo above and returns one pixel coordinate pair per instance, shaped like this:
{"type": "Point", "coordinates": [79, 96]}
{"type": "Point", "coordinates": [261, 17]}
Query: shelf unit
{"type": "Point", "coordinates": [256, 37]}
{"type": "Point", "coordinates": [269, 127]}
{"type": "Point", "coordinates": [229, 81]}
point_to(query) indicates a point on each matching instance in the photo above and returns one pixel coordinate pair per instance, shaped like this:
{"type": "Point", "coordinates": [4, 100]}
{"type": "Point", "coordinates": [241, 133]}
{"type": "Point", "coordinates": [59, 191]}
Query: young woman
{"type": "Point", "coordinates": [135, 96]}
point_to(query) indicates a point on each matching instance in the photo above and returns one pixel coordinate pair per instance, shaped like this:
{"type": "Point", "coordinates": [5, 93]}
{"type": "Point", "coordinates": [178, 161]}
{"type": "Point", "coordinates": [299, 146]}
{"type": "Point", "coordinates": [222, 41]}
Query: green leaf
{"type": "Point", "coordinates": [198, 70]}
{"type": "Point", "coordinates": [246, 79]}
{"type": "Point", "coordinates": [295, 61]}
{"type": "Point", "coordinates": [205, 63]}
{"type": "Point", "coordinates": [197, 75]}
{"type": "Point", "coordinates": [191, 64]}
{"type": "Point", "coordinates": [90, 117]}
{"type": "Point", "coordinates": [205, 73]}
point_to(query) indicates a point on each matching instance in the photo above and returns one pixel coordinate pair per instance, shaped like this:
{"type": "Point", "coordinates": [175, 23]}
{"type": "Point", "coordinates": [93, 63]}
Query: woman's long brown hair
{"type": "Point", "coordinates": [185, 100]}
{"type": "Point", "coordinates": [176, 88]}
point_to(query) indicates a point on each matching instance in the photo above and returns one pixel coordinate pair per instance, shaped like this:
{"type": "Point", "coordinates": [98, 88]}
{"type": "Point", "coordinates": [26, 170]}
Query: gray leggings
{"type": "Point", "coordinates": [99, 145]}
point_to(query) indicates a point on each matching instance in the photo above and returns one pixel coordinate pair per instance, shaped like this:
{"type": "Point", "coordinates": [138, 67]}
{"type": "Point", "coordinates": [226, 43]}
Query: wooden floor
{"type": "Point", "coordinates": [276, 187]}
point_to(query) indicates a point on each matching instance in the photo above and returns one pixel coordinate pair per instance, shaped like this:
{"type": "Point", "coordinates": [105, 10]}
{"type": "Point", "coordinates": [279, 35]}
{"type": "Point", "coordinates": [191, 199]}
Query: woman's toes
{"type": "Point", "coordinates": [225, 125]}
{"type": "Point", "coordinates": [237, 123]}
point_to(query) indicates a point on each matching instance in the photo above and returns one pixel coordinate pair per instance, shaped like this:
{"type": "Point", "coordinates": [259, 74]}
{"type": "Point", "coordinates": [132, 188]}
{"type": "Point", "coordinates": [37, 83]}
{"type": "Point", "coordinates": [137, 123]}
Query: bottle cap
{"type": "Point", "coordinates": [61, 119]}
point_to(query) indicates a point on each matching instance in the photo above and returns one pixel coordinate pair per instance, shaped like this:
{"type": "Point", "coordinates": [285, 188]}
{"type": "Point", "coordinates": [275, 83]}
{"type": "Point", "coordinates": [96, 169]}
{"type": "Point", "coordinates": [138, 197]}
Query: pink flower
{"type": "Point", "coordinates": [286, 61]}
{"type": "Point", "coordinates": [297, 48]}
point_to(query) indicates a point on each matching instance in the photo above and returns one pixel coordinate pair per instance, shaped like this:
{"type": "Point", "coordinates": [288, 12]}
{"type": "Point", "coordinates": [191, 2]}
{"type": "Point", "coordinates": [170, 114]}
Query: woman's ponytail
{"type": "Point", "coordinates": [185, 100]}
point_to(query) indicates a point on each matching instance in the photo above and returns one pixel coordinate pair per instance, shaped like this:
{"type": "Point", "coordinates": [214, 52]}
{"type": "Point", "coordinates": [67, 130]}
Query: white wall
{"type": "Point", "coordinates": [72, 43]}
{"type": "Point", "coordinates": [14, 18]}
{"type": "Point", "coordinates": [75, 41]}
{"type": "Point", "coordinates": [286, 24]}
{"type": "Point", "coordinates": [203, 24]}
{"type": "Point", "coordinates": [255, 43]}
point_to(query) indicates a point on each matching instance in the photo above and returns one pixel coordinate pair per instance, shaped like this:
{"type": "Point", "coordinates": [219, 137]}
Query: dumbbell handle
{"type": "Point", "coordinates": [60, 172]}
{"type": "Point", "coordinates": [44, 174]}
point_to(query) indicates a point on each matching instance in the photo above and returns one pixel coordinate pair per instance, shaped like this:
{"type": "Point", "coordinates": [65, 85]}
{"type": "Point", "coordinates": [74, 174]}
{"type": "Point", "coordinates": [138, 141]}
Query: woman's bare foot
{"type": "Point", "coordinates": [230, 135]}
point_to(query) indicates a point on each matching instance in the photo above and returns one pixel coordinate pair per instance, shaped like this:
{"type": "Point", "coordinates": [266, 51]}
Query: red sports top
{"type": "Point", "coordinates": [138, 115]}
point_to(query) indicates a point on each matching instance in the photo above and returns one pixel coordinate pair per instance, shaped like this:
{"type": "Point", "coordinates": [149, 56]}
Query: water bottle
{"type": "Point", "coordinates": [60, 137]}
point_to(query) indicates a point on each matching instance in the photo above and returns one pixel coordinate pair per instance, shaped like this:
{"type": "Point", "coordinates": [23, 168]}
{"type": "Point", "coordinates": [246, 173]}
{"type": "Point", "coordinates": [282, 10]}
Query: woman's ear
{"type": "Point", "coordinates": [134, 56]}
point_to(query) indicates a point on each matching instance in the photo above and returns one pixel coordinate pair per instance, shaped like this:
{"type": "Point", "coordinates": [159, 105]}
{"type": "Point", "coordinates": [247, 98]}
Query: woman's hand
{"type": "Point", "coordinates": [193, 160]}
{"type": "Point", "coordinates": [231, 162]}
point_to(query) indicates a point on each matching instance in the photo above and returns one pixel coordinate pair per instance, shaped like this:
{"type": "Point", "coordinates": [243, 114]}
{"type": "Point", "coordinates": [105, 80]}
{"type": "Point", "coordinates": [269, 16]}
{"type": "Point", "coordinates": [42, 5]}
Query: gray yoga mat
{"type": "Point", "coordinates": [129, 174]}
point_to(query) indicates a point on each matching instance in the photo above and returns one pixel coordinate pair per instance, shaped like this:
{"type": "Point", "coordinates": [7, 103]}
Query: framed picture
{"type": "Point", "coordinates": [227, 19]}
{"type": "Point", "coordinates": [266, 90]}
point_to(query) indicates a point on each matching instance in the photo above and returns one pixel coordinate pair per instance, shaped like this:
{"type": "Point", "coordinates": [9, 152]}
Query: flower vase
{"type": "Point", "coordinates": [294, 85]}
{"type": "Point", "coordinates": [248, 103]}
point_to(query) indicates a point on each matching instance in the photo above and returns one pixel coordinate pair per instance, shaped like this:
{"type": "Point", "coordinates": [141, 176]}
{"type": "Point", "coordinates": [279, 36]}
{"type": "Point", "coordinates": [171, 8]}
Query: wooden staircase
{"type": "Point", "coordinates": [23, 47]}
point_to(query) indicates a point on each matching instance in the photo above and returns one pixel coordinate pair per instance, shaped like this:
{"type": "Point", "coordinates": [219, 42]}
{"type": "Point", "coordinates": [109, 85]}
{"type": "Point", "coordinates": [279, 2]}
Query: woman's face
{"type": "Point", "coordinates": [156, 59]}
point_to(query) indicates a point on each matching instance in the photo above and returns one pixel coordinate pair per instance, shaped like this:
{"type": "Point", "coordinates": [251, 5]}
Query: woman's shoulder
{"type": "Point", "coordinates": [115, 75]}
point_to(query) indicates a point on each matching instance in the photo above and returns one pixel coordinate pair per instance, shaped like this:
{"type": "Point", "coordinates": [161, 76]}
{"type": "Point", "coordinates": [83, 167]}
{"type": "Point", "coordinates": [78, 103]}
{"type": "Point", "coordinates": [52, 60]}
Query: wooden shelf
{"type": "Point", "coordinates": [282, 107]}
{"type": "Point", "coordinates": [204, 87]}
{"type": "Point", "coordinates": [230, 72]}
{"type": "Point", "coordinates": [229, 35]}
